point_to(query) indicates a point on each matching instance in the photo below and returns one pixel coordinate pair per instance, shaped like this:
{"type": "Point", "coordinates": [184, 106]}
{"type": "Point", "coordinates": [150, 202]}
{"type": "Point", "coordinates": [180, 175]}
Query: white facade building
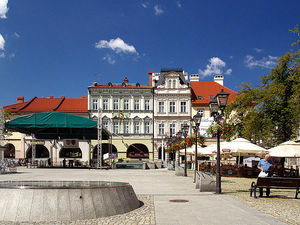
{"type": "Point", "coordinates": [127, 112]}
{"type": "Point", "coordinates": [172, 101]}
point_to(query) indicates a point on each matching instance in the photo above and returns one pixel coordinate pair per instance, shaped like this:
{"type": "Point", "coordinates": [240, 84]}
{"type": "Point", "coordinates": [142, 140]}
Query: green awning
{"type": "Point", "coordinates": [56, 125]}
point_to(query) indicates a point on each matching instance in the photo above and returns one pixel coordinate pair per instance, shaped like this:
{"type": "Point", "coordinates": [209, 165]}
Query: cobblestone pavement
{"type": "Point", "coordinates": [281, 204]}
{"type": "Point", "coordinates": [142, 215]}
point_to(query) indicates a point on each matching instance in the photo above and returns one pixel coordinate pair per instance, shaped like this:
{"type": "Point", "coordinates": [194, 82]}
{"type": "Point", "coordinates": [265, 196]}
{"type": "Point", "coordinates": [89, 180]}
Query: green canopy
{"type": "Point", "coordinates": [56, 125]}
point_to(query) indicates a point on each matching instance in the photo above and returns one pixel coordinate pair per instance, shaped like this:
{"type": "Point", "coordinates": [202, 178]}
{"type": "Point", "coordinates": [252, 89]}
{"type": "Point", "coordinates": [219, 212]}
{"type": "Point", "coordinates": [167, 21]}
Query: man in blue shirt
{"type": "Point", "coordinates": [265, 165]}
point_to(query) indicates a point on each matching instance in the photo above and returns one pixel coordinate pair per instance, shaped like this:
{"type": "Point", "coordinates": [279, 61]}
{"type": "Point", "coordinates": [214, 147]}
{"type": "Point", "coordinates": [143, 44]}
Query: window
{"type": "Point", "coordinates": [105, 104]}
{"type": "Point", "coordinates": [174, 83]}
{"type": "Point", "coordinates": [116, 104]}
{"type": "Point", "coordinates": [116, 127]}
{"type": "Point", "coordinates": [126, 127]}
{"type": "Point", "coordinates": [126, 104]}
{"type": "Point", "coordinates": [200, 97]}
{"type": "Point", "coordinates": [172, 107]}
{"type": "Point", "coordinates": [170, 83]}
{"type": "Point", "coordinates": [147, 127]}
{"type": "Point", "coordinates": [161, 107]}
{"type": "Point", "coordinates": [105, 124]}
{"type": "Point", "coordinates": [136, 127]}
{"type": "Point", "coordinates": [136, 104]}
{"type": "Point", "coordinates": [161, 129]}
{"type": "Point", "coordinates": [183, 107]}
{"type": "Point", "coordinates": [147, 104]}
{"type": "Point", "coordinates": [172, 129]}
{"type": "Point", "coordinates": [95, 104]}
{"type": "Point", "coordinates": [201, 111]}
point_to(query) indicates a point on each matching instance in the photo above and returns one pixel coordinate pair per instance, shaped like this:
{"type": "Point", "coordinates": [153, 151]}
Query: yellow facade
{"type": "Point", "coordinates": [122, 146]}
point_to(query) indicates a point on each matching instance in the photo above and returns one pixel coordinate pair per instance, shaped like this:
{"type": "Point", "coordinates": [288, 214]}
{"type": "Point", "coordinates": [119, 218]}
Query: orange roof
{"type": "Point", "coordinates": [50, 105]}
{"type": "Point", "coordinates": [201, 92]}
{"type": "Point", "coordinates": [119, 86]}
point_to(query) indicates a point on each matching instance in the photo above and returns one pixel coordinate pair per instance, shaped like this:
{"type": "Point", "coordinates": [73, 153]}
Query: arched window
{"type": "Point", "coordinates": [170, 83]}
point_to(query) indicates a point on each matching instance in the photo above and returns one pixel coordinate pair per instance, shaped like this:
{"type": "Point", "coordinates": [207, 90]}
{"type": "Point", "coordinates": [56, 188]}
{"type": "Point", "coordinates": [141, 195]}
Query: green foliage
{"type": "Point", "coordinates": [271, 112]}
{"type": "Point", "coordinates": [226, 131]}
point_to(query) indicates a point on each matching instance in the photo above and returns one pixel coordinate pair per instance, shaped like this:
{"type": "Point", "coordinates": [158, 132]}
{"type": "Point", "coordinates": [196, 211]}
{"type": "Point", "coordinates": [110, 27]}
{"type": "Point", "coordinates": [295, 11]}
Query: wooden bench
{"type": "Point", "coordinates": [275, 183]}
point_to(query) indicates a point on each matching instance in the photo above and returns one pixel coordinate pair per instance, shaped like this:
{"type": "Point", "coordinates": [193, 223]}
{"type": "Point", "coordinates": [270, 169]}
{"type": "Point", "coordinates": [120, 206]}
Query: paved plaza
{"type": "Point", "coordinates": [155, 188]}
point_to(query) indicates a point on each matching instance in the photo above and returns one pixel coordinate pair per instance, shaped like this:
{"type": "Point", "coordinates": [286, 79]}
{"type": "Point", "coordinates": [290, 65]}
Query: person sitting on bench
{"type": "Point", "coordinates": [265, 165]}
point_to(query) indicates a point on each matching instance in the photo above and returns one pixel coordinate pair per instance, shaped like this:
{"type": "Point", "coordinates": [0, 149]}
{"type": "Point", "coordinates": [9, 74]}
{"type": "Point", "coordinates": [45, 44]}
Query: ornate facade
{"type": "Point", "coordinates": [172, 101]}
{"type": "Point", "coordinates": [127, 112]}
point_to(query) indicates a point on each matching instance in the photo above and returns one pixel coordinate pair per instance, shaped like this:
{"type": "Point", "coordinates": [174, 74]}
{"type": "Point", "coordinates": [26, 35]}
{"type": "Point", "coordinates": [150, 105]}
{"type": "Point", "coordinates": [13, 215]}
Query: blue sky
{"type": "Point", "coordinates": [59, 47]}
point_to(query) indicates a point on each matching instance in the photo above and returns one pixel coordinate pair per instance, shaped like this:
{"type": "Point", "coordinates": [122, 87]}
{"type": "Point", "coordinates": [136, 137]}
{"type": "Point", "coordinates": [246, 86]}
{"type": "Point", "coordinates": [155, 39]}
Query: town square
{"type": "Point", "coordinates": [149, 112]}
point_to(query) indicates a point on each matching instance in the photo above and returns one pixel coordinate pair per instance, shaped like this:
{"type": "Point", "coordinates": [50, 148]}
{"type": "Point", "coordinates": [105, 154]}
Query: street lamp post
{"type": "Point", "coordinates": [195, 122]}
{"type": "Point", "coordinates": [179, 136]}
{"type": "Point", "coordinates": [185, 133]}
{"type": "Point", "coordinates": [218, 103]}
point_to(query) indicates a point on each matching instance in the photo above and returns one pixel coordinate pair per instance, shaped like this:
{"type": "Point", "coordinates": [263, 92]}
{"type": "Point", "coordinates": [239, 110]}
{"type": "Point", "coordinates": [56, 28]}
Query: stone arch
{"type": "Point", "coordinates": [70, 153]}
{"type": "Point", "coordinates": [40, 152]}
{"type": "Point", "coordinates": [10, 151]}
{"type": "Point", "coordinates": [105, 149]}
{"type": "Point", "coordinates": [138, 151]}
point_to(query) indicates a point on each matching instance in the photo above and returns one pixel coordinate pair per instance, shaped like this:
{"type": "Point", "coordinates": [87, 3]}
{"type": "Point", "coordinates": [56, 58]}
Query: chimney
{"type": "Point", "coordinates": [83, 96]}
{"type": "Point", "coordinates": [150, 77]}
{"type": "Point", "coordinates": [51, 97]}
{"type": "Point", "coordinates": [94, 84]}
{"type": "Point", "coordinates": [126, 80]}
{"type": "Point", "coordinates": [20, 99]}
{"type": "Point", "coordinates": [194, 77]}
{"type": "Point", "coordinates": [219, 79]}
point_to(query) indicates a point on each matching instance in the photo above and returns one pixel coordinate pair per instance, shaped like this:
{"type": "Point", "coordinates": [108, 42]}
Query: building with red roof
{"type": "Point", "coordinates": [78, 106]}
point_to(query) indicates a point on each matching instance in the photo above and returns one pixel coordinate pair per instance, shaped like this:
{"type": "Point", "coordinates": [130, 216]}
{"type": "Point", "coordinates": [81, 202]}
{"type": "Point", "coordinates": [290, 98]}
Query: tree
{"type": "Point", "coordinates": [271, 112]}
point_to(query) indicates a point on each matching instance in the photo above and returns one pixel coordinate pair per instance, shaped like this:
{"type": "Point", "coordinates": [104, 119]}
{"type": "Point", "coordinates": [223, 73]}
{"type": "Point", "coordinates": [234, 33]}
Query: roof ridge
{"type": "Point", "coordinates": [59, 104]}
{"type": "Point", "coordinates": [28, 103]}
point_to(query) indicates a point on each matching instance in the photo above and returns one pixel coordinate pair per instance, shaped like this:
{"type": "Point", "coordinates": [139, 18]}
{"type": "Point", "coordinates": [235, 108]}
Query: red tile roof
{"type": "Point", "coordinates": [119, 86]}
{"type": "Point", "coordinates": [207, 89]}
{"type": "Point", "coordinates": [71, 105]}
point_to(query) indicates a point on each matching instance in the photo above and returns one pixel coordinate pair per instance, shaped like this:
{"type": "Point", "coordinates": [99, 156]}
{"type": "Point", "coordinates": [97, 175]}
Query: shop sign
{"type": "Point", "coordinates": [71, 143]}
{"type": "Point", "coordinates": [37, 142]}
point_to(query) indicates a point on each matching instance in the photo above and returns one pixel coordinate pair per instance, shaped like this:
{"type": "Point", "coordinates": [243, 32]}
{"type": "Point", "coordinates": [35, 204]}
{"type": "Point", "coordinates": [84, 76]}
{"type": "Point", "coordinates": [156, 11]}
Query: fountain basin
{"type": "Point", "coordinates": [37, 201]}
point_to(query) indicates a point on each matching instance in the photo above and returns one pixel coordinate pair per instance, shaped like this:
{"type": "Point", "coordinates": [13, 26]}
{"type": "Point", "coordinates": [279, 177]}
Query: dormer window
{"type": "Point", "coordinates": [109, 84]}
{"type": "Point", "coordinates": [170, 83]}
{"type": "Point", "coordinates": [138, 84]}
{"type": "Point", "coordinates": [200, 97]}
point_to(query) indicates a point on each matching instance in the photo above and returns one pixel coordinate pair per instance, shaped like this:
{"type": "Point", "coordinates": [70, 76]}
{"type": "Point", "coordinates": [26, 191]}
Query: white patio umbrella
{"type": "Point", "coordinates": [212, 149]}
{"type": "Point", "coordinates": [190, 150]}
{"type": "Point", "coordinates": [289, 149]}
{"type": "Point", "coordinates": [243, 147]}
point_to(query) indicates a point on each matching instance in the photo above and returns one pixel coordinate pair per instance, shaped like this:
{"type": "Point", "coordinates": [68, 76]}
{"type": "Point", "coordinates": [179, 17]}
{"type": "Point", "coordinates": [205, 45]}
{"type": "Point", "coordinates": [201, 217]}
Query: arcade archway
{"type": "Point", "coordinates": [40, 152]}
{"type": "Point", "coordinates": [138, 151]}
{"type": "Point", "coordinates": [105, 149]}
{"type": "Point", "coordinates": [70, 153]}
{"type": "Point", "coordinates": [9, 151]}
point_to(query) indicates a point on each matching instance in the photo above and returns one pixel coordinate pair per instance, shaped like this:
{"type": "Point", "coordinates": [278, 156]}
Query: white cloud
{"type": "Point", "coordinates": [265, 62]}
{"type": "Point", "coordinates": [15, 33]}
{"type": "Point", "coordinates": [158, 10]}
{"type": "Point", "coordinates": [12, 55]}
{"type": "Point", "coordinates": [145, 4]}
{"type": "Point", "coordinates": [109, 59]}
{"type": "Point", "coordinates": [179, 5]}
{"type": "Point", "coordinates": [215, 67]}
{"type": "Point", "coordinates": [2, 54]}
{"type": "Point", "coordinates": [2, 42]}
{"type": "Point", "coordinates": [258, 50]}
{"type": "Point", "coordinates": [228, 72]}
{"type": "Point", "coordinates": [3, 8]}
{"type": "Point", "coordinates": [117, 45]}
